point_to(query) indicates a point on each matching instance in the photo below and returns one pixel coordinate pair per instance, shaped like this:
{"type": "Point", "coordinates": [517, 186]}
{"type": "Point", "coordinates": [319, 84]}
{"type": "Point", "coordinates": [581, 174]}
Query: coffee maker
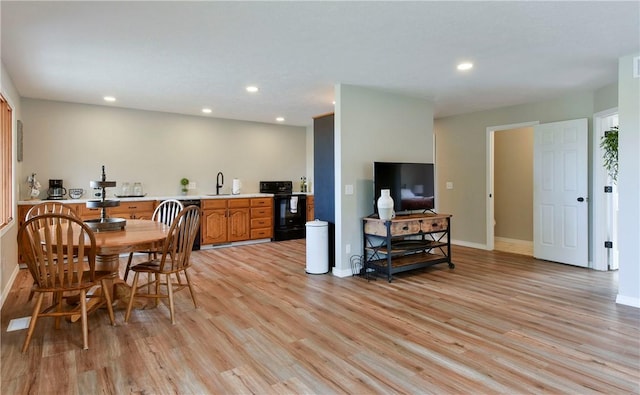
{"type": "Point", "coordinates": [56, 190]}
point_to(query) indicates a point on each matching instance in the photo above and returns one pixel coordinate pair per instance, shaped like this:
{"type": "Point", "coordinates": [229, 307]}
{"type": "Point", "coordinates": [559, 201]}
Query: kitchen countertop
{"type": "Point", "coordinates": [144, 198]}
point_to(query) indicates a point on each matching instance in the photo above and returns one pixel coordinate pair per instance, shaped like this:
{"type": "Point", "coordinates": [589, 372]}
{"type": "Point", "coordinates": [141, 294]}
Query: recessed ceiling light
{"type": "Point", "coordinates": [280, 119]}
{"type": "Point", "coordinates": [465, 66]}
{"type": "Point", "coordinates": [206, 110]}
{"type": "Point", "coordinates": [252, 89]}
{"type": "Point", "coordinates": [109, 98]}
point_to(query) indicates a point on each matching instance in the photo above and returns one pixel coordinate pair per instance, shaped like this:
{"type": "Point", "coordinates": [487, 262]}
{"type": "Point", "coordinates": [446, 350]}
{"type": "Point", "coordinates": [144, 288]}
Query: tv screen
{"type": "Point", "coordinates": [411, 185]}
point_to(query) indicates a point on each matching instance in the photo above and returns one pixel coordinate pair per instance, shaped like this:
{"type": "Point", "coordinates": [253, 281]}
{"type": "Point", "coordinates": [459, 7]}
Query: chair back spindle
{"type": "Point", "coordinates": [178, 245]}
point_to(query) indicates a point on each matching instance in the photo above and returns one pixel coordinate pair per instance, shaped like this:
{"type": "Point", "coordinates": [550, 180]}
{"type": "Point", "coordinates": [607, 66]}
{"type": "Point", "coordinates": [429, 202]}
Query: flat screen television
{"type": "Point", "coordinates": [411, 185]}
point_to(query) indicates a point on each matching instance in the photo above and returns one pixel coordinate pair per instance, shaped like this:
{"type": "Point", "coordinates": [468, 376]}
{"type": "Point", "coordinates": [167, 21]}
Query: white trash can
{"type": "Point", "coordinates": [317, 247]}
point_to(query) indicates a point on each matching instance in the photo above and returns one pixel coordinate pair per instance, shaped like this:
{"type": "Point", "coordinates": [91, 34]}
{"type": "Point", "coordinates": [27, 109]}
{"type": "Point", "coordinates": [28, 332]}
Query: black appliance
{"type": "Point", "coordinates": [290, 210]}
{"type": "Point", "coordinates": [193, 202]}
{"type": "Point", "coordinates": [56, 191]}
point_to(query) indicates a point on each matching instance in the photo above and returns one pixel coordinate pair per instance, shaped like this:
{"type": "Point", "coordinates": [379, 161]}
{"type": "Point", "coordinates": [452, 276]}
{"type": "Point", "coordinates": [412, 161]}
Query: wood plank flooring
{"type": "Point", "coordinates": [497, 323]}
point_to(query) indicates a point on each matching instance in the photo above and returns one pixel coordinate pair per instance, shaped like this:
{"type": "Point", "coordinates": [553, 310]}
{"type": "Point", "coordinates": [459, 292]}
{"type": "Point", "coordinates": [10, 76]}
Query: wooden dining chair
{"type": "Point", "coordinates": [50, 207]}
{"type": "Point", "coordinates": [60, 253]}
{"type": "Point", "coordinates": [46, 208]}
{"type": "Point", "coordinates": [174, 259]}
{"type": "Point", "coordinates": [166, 212]}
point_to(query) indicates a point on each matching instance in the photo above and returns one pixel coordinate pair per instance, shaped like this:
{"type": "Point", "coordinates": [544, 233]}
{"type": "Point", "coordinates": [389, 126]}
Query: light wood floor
{"type": "Point", "coordinates": [497, 323]}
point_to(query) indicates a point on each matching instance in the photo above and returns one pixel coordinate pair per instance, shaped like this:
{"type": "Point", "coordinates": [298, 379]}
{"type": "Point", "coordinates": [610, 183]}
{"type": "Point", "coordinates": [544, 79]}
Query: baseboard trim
{"type": "Point", "coordinates": [342, 273]}
{"type": "Point", "coordinates": [469, 244]}
{"type": "Point", "coordinates": [7, 289]}
{"type": "Point", "coordinates": [628, 301]}
{"type": "Point", "coordinates": [515, 241]}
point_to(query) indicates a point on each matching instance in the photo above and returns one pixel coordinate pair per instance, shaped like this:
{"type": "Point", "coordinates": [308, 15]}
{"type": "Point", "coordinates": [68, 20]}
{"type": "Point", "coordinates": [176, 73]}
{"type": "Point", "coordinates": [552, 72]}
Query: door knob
{"type": "Point", "coordinates": [581, 199]}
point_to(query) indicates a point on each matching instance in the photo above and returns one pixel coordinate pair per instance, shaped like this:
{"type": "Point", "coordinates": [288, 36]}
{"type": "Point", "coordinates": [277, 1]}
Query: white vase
{"type": "Point", "coordinates": [385, 205]}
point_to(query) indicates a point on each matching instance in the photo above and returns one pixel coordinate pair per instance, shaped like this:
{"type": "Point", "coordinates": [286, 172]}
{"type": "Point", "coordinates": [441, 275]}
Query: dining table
{"type": "Point", "coordinates": [137, 235]}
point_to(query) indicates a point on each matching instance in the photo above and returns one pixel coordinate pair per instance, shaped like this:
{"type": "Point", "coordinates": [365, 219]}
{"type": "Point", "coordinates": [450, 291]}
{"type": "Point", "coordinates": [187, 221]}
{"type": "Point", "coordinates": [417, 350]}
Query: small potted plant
{"type": "Point", "coordinates": [609, 144]}
{"type": "Point", "coordinates": [185, 185]}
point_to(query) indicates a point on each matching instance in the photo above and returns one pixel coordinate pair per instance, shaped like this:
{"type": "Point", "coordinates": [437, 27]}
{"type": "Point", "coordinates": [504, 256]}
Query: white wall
{"type": "Point", "coordinates": [629, 183]}
{"type": "Point", "coordinates": [72, 141]}
{"type": "Point", "coordinates": [371, 126]}
{"type": "Point", "coordinates": [8, 245]}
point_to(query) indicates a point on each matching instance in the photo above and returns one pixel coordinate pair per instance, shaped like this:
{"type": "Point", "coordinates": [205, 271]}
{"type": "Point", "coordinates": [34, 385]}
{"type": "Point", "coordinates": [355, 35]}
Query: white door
{"type": "Point", "coordinates": [560, 201]}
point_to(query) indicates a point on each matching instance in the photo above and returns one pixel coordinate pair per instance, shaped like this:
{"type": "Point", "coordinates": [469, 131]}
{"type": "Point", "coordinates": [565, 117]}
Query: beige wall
{"type": "Point", "coordinates": [72, 141]}
{"type": "Point", "coordinates": [629, 183]}
{"type": "Point", "coordinates": [513, 184]}
{"type": "Point", "coordinates": [372, 126]}
{"type": "Point", "coordinates": [461, 155]}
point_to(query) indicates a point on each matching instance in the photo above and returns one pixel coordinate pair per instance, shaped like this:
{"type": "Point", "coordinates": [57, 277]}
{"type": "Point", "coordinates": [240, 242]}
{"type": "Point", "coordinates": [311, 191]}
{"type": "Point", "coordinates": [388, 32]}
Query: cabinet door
{"type": "Point", "coordinates": [239, 223]}
{"type": "Point", "coordinates": [214, 226]}
{"type": "Point", "coordinates": [310, 207]}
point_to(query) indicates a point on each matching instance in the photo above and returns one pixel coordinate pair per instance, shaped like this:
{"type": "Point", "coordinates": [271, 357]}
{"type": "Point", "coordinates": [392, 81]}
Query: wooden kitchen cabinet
{"type": "Point", "coordinates": [239, 220]}
{"type": "Point", "coordinates": [236, 219]}
{"type": "Point", "coordinates": [261, 218]}
{"type": "Point", "coordinates": [127, 210]}
{"type": "Point", "coordinates": [310, 211]}
{"type": "Point", "coordinates": [24, 208]}
{"type": "Point", "coordinates": [214, 221]}
{"type": "Point", "coordinates": [225, 220]}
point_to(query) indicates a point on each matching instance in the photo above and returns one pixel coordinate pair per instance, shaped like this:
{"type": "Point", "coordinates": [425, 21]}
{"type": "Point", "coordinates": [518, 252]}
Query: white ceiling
{"type": "Point", "coordinates": [182, 56]}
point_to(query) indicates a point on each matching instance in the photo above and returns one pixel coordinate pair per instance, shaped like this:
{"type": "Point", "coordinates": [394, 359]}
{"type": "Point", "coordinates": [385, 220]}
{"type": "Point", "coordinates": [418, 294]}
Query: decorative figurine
{"type": "Point", "coordinates": [34, 186]}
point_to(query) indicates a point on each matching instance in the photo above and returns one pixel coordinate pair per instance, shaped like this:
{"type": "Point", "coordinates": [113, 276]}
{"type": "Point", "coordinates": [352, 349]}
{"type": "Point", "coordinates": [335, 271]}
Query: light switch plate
{"type": "Point", "coordinates": [449, 185]}
{"type": "Point", "coordinates": [348, 189]}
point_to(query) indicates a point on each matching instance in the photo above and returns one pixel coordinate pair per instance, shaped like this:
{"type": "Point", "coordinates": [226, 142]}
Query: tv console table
{"type": "Point", "coordinates": [406, 242]}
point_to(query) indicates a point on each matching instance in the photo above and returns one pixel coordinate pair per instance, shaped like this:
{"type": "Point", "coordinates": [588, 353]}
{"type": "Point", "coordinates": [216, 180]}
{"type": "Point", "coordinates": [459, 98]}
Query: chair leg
{"type": "Point", "coordinates": [134, 289]}
{"type": "Point", "coordinates": [32, 324]}
{"type": "Point", "coordinates": [107, 297]}
{"type": "Point", "coordinates": [57, 300]}
{"type": "Point", "coordinates": [170, 291]}
{"type": "Point", "coordinates": [85, 326]}
{"type": "Point", "coordinates": [156, 278]}
{"type": "Point", "coordinates": [193, 295]}
{"type": "Point", "coordinates": [126, 271]}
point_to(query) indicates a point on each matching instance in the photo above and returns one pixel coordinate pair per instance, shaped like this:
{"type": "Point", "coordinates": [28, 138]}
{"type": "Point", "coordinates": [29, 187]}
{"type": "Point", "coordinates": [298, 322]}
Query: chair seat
{"type": "Point", "coordinates": [148, 266]}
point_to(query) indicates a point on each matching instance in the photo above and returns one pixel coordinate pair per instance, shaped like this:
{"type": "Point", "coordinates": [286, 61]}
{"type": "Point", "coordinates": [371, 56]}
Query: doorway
{"type": "Point", "coordinates": [605, 199]}
{"type": "Point", "coordinates": [561, 228]}
{"type": "Point", "coordinates": [491, 188]}
{"type": "Point", "coordinates": [513, 191]}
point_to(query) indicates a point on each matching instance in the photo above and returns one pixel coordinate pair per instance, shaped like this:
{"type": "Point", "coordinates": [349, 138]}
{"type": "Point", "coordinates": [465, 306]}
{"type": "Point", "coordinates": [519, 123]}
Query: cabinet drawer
{"type": "Point", "coordinates": [214, 203]}
{"type": "Point", "coordinates": [235, 203]}
{"type": "Point", "coordinates": [261, 212]}
{"type": "Point", "coordinates": [400, 227]}
{"type": "Point", "coordinates": [260, 223]}
{"type": "Point", "coordinates": [262, 233]}
{"type": "Point", "coordinates": [129, 207]}
{"type": "Point", "coordinates": [433, 225]}
{"type": "Point", "coordinates": [261, 202]}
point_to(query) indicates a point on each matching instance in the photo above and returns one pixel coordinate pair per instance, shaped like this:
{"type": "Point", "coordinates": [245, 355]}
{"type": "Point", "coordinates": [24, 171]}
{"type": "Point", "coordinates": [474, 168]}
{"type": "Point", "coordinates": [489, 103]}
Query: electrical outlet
{"type": "Point", "coordinates": [191, 185]}
{"type": "Point", "coordinates": [449, 185]}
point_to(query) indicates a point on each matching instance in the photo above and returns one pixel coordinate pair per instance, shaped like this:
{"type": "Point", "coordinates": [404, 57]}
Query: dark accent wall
{"type": "Point", "coordinates": [324, 176]}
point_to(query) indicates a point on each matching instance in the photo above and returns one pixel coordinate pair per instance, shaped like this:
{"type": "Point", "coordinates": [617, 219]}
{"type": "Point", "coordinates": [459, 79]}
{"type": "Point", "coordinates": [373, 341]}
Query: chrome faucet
{"type": "Point", "coordinates": [219, 182]}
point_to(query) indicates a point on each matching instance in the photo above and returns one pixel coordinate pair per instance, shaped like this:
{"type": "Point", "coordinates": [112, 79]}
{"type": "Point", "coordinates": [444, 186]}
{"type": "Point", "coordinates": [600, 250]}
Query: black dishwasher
{"type": "Point", "coordinates": [193, 202]}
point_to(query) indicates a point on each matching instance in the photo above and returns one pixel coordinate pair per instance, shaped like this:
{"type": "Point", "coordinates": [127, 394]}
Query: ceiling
{"type": "Point", "coordinates": [182, 56]}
